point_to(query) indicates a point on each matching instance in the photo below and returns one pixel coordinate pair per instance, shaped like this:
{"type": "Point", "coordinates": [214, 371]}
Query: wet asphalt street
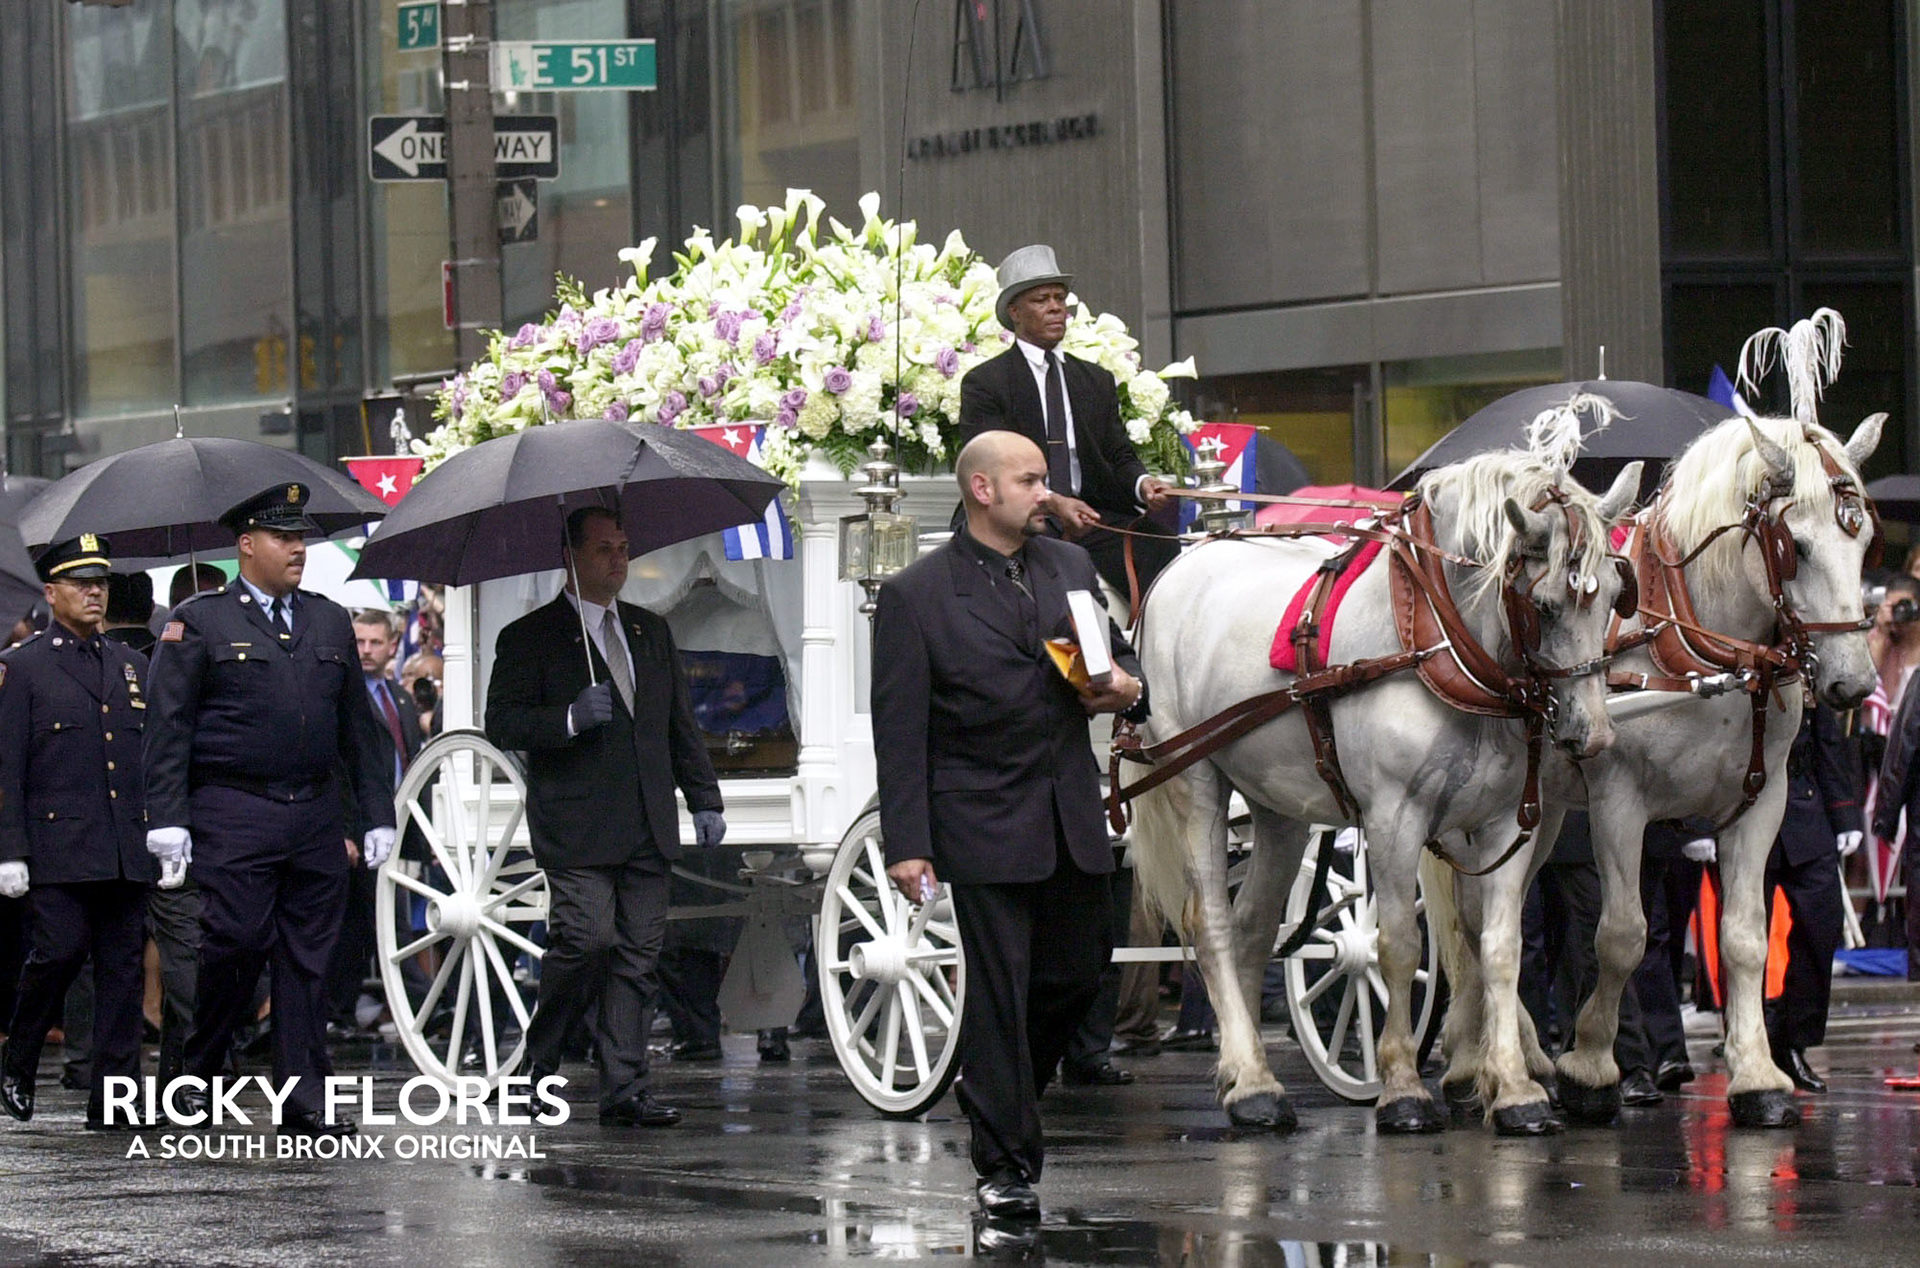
{"type": "Point", "coordinates": [780, 1165]}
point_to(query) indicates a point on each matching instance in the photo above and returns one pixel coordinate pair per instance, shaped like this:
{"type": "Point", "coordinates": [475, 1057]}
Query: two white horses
{"type": "Point", "coordinates": [1419, 769]}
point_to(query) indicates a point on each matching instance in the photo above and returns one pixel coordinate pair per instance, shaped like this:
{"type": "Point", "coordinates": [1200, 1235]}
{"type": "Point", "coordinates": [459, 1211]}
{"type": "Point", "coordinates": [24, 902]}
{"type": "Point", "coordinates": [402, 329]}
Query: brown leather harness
{"type": "Point", "coordinates": [1688, 655]}
{"type": "Point", "coordinates": [1434, 639]}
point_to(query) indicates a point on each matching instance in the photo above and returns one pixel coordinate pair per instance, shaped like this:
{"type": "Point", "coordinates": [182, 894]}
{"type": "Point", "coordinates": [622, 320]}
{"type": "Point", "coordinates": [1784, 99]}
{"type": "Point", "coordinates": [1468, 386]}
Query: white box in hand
{"type": "Point", "coordinates": [1090, 631]}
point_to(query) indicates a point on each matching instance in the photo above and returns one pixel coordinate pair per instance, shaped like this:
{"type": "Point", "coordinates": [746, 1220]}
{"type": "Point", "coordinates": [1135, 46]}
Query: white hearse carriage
{"type": "Point", "coordinates": [778, 651]}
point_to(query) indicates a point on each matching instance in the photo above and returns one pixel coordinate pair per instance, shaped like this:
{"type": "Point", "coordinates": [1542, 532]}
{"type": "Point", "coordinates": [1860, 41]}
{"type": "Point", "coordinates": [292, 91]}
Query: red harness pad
{"type": "Point", "coordinates": [1283, 656]}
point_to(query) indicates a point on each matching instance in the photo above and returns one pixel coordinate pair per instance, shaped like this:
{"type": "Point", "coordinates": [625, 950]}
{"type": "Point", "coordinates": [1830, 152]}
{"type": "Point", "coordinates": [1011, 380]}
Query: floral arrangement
{"type": "Point", "coordinates": [792, 324]}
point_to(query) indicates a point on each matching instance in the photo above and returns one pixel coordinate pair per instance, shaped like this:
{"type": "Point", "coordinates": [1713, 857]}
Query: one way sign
{"type": "Point", "coordinates": [413, 147]}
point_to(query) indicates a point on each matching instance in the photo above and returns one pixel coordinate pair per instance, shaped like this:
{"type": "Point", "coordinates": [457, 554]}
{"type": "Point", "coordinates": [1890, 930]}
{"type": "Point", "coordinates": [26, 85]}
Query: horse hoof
{"type": "Point", "coordinates": [1464, 1105]}
{"type": "Point", "coordinates": [1265, 1111]}
{"type": "Point", "coordinates": [1591, 1106]}
{"type": "Point", "coordinates": [1535, 1119]}
{"type": "Point", "coordinates": [1768, 1107]}
{"type": "Point", "coordinates": [1408, 1116]}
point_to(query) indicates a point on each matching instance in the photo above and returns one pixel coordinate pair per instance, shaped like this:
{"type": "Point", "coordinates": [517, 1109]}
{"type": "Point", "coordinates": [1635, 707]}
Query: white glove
{"type": "Point", "coordinates": [376, 847]}
{"type": "Point", "coordinates": [170, 843]}
{"type": "Point", "coordinates": [1848, 842]}
{"type": "Point", "coordinates": [173, 873]}
{"type": "Point", "coordinates": [13, 878]}
{"type": "Point", "coordinates": [1700, 850]}
{"type": "Point", "coordinates": [1346, 840]}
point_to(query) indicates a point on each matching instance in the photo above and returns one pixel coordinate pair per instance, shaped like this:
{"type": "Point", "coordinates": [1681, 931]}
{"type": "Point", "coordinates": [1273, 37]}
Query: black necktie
{"type": "Point", "coordinates": [1059, 463]}
{"type": "Point", "coordinates": [1018, 575]}
{"type": "Point", "coordinates": [283, 613]}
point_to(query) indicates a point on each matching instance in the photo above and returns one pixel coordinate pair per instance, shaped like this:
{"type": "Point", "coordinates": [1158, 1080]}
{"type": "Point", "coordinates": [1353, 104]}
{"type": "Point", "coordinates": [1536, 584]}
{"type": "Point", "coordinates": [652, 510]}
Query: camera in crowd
{"type": "Point", "coordinates": [1902, 608]}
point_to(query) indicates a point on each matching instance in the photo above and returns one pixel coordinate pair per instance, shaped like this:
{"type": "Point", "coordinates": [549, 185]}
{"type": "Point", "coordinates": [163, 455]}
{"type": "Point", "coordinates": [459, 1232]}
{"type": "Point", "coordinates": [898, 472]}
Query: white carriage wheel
{"type": "Point", "coordinates": [467, 800]}
{"type": "Point", "coordinates": [892, 979]}
{"type": "Point", "coordinates": [1335, 991]}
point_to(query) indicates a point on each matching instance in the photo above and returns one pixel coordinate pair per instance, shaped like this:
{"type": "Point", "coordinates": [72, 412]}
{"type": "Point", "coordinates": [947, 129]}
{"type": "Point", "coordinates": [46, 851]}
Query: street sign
{"type": "Point", "coordinates": [573, 65]}
{"type": "Point", "coordinates": [413, 147]}
{"type": "Point", "coordinates": [519, 212]}
{"type": "Point", "coordinates": [419, 25]}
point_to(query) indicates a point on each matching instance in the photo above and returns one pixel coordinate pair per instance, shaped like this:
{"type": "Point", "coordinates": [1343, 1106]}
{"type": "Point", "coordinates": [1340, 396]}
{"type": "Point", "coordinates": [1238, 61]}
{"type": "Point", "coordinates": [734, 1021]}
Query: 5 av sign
{"type": "Point", "coordinates": [413, 147]}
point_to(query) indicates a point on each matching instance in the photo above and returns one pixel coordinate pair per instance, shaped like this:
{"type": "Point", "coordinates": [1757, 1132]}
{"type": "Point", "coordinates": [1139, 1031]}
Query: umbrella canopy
{"type": "Point", "coordinates": [1298, 513]}
{"type": "Point", "coordinates": [164, 500]}
{"type": "Point", "coordinates": [1898, 497]}
{"type": "Point", "coordinates": [15, 493]}
{"type": "Point", "coordinates": [499, 509]}
{"type": "Point", "coordinates": [19, 583]}
{"type": "Point", "coordinates": [1276, 468]}
{"type": "Point", "coordinates": [1653, 424]}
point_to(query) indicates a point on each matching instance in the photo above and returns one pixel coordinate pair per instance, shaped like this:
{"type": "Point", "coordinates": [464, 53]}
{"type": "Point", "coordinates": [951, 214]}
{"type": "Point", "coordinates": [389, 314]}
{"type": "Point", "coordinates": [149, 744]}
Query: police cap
{"type": "Point", "coordinates": [282, 508]}
{"type": "Point", "coordinates": [82, 558]}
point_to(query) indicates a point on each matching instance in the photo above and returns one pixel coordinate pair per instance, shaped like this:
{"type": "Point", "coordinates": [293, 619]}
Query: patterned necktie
{"type": "Point", "coordinates": [617, 668]}
{"type": "Point", "coordinates": [1018, 575]}
{"type": "Point", "coordinates": [1059, 462]}
{"type": "Point", "coordinates": [392, 716]}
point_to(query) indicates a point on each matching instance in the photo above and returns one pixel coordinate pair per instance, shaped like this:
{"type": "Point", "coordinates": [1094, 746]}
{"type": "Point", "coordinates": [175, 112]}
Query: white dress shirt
{"type": "Point", "coordinates": [1037, 362]}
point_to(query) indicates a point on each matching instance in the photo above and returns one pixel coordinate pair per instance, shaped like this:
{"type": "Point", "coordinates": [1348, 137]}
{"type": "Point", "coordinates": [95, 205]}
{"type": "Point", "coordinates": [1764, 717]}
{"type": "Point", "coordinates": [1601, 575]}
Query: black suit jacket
{"type": "Point", "coordinates": [411, 736]}
{"type": "Point", "coordinates": [598, 798]}
{"type": "Point", "coordinates": [1001, 395]}
{"type": "Point", "coordinates": [72, 798]}
{"type": "Point", "coordinates": [981, 746]}
{"type": "Point", "coordinates": [1824, 788]}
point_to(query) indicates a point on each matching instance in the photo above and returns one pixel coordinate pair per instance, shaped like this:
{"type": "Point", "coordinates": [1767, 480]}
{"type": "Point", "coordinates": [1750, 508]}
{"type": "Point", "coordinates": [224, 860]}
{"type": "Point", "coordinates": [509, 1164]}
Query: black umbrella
{"type": "Point", "coordinates": [16, 492]}
{"type": "Point", "coordinates": [1898, 497]}
{"type": "Point", "coordinates": [1276, 469]}
{"type": "Point", "coordinates": [164, 500]}
{"type": "Point", "coordinates": [1652, 424]}
{"type": "Point", "coordinates": [19, 583]}
{"type": "Point", "coordinates": [499, 509]}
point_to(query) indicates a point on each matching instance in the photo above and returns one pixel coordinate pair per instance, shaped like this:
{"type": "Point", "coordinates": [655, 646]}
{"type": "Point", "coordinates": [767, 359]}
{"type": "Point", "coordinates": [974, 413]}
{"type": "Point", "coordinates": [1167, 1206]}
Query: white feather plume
{"type": "Point", "coordinates": [1555, 437]}
{"type": "Point", "coordinates": [1809, 353]}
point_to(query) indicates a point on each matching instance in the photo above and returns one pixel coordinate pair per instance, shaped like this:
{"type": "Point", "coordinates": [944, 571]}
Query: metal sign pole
{"type": "Point", "coordinates": [467, 44]}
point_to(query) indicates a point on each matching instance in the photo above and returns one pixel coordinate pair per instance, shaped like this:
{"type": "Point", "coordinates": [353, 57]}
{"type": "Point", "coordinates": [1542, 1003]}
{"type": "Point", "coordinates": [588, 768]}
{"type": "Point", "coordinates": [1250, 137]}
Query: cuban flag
{"type": "Point", "coordinates": [772, 537]}
{"type": "Point", "coordinates": [1237, 441]}
{"type": "Point", "coordinates": [1721, 392]}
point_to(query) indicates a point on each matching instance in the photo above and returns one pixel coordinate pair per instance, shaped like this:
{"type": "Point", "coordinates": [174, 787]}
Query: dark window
{"type": "Point", "coordinates": [1708, 321]}
{"type": "Point", "coordinates": [1718, 129]}
{"type": "Point", "coordinates": [1846, 94]}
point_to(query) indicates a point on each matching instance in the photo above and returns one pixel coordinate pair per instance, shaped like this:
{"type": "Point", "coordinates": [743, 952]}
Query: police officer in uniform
{"type": "Point", "coordinates": [73, 823]}
{"type": "Point", "coordinates": [257, 700]}
{"type": "Point", "coordinates": [1822, 824]}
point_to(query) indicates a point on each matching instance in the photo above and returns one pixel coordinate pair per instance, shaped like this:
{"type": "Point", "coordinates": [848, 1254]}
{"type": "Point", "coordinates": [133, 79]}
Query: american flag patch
{"type": "Point", "coordinates": [173, 631]}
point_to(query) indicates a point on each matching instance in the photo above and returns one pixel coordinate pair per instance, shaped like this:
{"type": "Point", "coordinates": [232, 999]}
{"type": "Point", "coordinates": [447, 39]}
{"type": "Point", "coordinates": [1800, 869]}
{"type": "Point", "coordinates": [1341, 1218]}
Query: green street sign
{"type": "Point", "coordinates": [573, 65]}
{"type": "Point", "coordinates": [419, 25]}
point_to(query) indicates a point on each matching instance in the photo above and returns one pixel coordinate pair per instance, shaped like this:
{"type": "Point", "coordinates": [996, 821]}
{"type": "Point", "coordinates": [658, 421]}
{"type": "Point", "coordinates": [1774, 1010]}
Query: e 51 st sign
{"type": "Point", "coordinates": [574, 66]}
{"type": "Point", "coordinates": [413, 147]}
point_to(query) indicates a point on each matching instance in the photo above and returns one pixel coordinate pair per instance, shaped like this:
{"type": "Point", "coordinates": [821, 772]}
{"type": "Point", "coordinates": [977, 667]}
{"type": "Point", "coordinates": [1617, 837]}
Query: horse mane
{"type": "Point", "coordinates": [1713, 479]}
{"type": "Point", "coordinates": [1477, 490]}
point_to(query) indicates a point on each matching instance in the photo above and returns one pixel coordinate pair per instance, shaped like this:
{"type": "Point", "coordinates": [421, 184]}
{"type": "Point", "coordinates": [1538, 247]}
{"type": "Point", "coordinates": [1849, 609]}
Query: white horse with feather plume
{"type": "Point", "coordinates": [1419, 769]}
{"type": "Point", "coordinates": [1747, 489]}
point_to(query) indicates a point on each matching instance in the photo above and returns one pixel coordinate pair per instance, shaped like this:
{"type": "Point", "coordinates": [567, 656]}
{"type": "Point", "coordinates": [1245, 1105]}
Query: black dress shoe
{"type": "Point", "coordinates": [74, 1081]}
{"type": "Point", "coordinates": [1182, 1040]}
{"type": "Point", "coordinates": [774, 1047]}
{"type": "Point", "coordinates": [640, 1110]}
{"type": "Point", "coordinates": [695, 1052]}
{"type": "Point", "coordinates": [299, 1122]}
{"type": "Point", "coordinates": [187, 1103]}
{"type": "Point", "coordinates": [1673, 1075]}
{"type": "Point", "coordinates": [1794, 1062]}
{"type": "Point", "coordinates": [1638, 1089]}
{"type": "Point", "coordinates": [1136, 1047]}
{"type": "Point", "coordinates": [1106, 1074]}
{"type": "Point", "coordinates": [16, 1096]}
{"type": "Point", "coordinates": [1006, 1195]}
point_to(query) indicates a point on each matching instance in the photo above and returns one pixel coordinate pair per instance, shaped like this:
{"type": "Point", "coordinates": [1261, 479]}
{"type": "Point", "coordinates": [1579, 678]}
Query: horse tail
{"type": "Point", "coordinates": [1160, 852]}
{"type": "Point", "coordinates": [1444, 927]}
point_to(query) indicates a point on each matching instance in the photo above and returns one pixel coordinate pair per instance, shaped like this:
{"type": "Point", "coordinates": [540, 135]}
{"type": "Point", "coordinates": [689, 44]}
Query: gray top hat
{"type": "Point", "coordinates": [1022, 271]}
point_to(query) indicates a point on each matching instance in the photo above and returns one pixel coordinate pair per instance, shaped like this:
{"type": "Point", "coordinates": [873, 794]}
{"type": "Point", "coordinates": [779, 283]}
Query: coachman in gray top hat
{"type": "Point", "coordinates": [1071, 409]}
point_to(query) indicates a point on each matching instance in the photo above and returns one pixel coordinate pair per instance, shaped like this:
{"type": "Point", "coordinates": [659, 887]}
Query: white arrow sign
{"type": "Point", "coordinates": [516, 212]}
{"type": "Point", "coordinates": [409, 148]}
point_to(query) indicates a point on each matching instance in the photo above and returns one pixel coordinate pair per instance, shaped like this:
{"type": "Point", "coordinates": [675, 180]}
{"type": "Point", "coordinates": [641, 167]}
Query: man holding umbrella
{"type": "Point", "coordinates": [593, 692]}
{"type": "Point", "coordinates": [256, 697]}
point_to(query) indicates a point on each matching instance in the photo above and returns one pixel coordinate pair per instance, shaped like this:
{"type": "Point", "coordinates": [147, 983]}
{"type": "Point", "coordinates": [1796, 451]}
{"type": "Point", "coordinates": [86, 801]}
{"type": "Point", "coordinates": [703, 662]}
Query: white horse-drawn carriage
{"type": "Point", "coordinates": [463, 923]}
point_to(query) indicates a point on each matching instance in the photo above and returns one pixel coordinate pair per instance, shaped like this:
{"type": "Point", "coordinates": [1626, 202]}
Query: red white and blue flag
{"type": "Point", "coordinates": [1237, 441]}
{"type": "Point", "coordinates": [772, 536]}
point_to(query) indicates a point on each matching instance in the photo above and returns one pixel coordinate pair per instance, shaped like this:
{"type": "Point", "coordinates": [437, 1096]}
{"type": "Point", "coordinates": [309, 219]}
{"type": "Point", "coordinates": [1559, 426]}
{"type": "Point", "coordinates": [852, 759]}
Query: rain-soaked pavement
{"type": "Point", "coordinates": [784, 1165]}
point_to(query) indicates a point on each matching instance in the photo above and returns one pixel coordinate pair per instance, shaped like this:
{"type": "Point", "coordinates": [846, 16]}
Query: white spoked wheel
{"type": "Point", "coordinates": [1335, 991]}
{"type": "Point", "coordinates": [476, 901]}
{"type": "Point", "coordinates": [891, 978]}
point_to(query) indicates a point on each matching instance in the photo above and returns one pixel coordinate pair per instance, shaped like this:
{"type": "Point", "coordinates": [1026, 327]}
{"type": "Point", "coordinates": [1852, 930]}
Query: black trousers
{"type": "Point", "coordinates": [1088, 1049]}
{"type": "Point", "coordinates": [103, 919]}
{"type": "Point", "coordinates": [353, 953]}
{"type": "Point", "coordinates": [1660, 1036]}
{"type": "Point", "coordinates": [604, 930]}
{"type": "Point", "coordinates": [273, 884]}
{"type": "Point", "coordinates": [690, 980]}
{"type": "Point", "coordinates": [173, 922]}
{"type": "Point", "coordinates": [1798, 1018]}
{"type": "Point", "coordinates": [1150, 554]}
{"type": "Point", "coordinates": [1035, 953]}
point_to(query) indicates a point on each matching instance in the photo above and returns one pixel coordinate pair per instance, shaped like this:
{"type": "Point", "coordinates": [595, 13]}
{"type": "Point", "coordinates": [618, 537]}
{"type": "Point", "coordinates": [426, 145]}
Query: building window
{"type": "Point", "coordinates": [790, 94]}
{"type": "Point", "coordinates": [1315, 413]}
{"type": "Point", "coordinates": [1429, 397]}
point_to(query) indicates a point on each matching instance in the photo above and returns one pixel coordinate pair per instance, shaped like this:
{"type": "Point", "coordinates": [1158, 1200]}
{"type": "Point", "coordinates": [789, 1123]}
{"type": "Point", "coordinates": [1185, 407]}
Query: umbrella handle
{"type": "Point", "coordinates": [586, 637]}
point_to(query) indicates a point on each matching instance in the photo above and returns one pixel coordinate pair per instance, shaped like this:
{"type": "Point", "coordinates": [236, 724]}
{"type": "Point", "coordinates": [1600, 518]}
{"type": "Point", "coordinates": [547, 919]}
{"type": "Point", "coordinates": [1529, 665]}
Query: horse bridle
{"type": "Point", "coordinates": [1523, 609]}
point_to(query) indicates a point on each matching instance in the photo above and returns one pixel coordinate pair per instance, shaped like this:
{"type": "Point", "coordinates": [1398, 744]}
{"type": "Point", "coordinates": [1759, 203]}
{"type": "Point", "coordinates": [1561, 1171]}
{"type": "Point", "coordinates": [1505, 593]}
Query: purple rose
{"type": "Point", "coordinates": [724, 375]}
{"type": "Point", "coordinates": [708, 385]}
{"type": "Point", "coordinates": [528, 335]}
{"type": "Point", "coordinates": [510, 385]}
{"type": "Point", "coordinates": [838, 380]}
{"type": "Point", "coordinates": [787, 418]}
{"type": "Point", "coordinates": [617, 412]}
{"type": "Point", "coordinates": [727, 326]}
{"type": "Point", "coordinates": [795, 399]}
{"type": "Point", "coordinates": [907, 406]}
{"type": "Point", "coordinates": [601, 330]}
{"type": "Point", "coordinates": [876, 329]}
{"type": "Point", "coordinates": [547, 382]}
{"type": "Point", "coordinates": [559, 402]}
{"type": "Point", "coordinates": [948, 362]}
{"type": "Point", "coordinates": [628, 357]}
{"type": "Point", "coordinates": [792, 310]}
{"type": "Point", "coordinates": [654, 324]}
{"type": "Point", "coordinates": [671, 408]}
{"type": "Point", "coordinates": [764, 348]}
